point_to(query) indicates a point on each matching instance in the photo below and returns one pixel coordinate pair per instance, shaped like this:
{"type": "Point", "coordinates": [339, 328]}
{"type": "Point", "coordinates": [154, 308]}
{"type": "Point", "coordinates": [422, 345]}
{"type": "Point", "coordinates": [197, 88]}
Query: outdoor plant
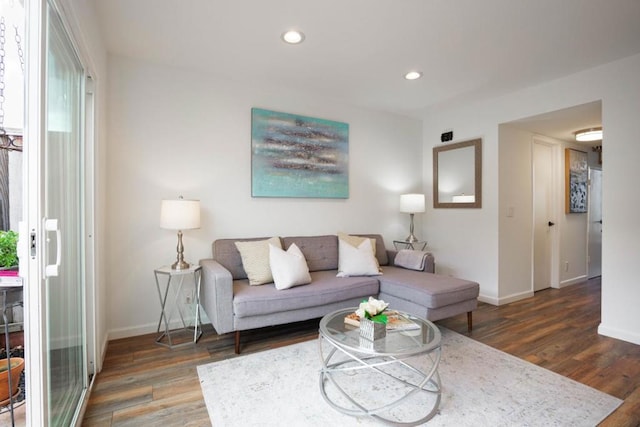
{"type": "Point", "coordinates": [8, 251]}
{"type": "Point", "coordinates": [373, 309]}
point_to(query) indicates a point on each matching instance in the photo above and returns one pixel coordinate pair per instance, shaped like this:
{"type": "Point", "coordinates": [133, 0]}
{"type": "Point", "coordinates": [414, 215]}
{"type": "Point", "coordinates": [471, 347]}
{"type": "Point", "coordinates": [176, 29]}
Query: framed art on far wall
{"type": "Point", "coordinates": [576, 176]}
{"type": "Point", "coordinates": [298, 156]}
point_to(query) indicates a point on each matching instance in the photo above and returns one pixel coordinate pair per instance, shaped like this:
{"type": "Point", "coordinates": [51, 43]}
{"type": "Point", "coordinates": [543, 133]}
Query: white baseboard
{"type": "Point", "coordinates": [505, 300]}
{"type": "Point", "coordinates": [148, 328]}
{"type": "Point", "coordinates": [132, 331]}
{"type": "Point", "coordinates": [620, 334]}
{"type": "Point", "coordinates": [488, 300]}
{"type": "Point", "coordinates": [572, 281]}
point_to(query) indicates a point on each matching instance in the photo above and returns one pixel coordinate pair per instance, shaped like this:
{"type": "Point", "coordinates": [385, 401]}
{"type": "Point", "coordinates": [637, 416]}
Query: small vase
{"type": "Point", "coordinates": [371, 330]}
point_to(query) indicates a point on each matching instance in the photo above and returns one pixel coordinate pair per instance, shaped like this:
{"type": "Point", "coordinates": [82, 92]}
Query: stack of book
{"type": "Point", "coordinates": [395, 321]}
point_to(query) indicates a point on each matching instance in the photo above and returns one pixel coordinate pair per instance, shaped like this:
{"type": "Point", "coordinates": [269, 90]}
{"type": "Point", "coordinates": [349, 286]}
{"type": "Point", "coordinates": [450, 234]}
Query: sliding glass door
{"type": "Point", "coordinates": [56, 313]}
{"type": "Point", "coordinates": [63, 209]}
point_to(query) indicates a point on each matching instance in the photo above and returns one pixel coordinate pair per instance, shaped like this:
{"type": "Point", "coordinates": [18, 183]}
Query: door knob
{"type": "Point", "coordinates": [551, 224]}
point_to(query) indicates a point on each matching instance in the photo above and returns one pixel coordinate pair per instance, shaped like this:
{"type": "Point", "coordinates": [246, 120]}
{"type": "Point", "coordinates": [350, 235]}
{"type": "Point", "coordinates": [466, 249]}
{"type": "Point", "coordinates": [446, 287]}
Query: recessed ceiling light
{"type": "Point", "coordinates": [293, 37]}
{"type": "Point", "coordinates": [587, 135]}
{"type": "Point", "coordinates": [413, 75]}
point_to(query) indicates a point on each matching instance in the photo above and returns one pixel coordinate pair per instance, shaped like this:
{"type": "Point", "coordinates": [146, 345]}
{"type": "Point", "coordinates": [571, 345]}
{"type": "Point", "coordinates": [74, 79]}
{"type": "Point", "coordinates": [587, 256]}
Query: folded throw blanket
{"type": "Point", "coordinates": [410, 259]}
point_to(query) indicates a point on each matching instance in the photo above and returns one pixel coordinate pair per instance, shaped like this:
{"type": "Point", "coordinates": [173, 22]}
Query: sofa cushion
{"type": "Point", "coordinates": [321, 252]}
{"type": "Point", "coordinates": [357, 260]}
{"type": "Point", "coordinates": [226, 253]}
{"type": "Point", "coordinates": [289, 267]}
{"type": "Point", "coordinates": [255, 259]}
{"type": "Point", "coordinates": [426, 289]}
{"type": "Point", "coordinates": [381, 250]}
{"type": "Point", "coordinates": [355, 241]}
{"type": "Point", "coordinates": [325, 288]}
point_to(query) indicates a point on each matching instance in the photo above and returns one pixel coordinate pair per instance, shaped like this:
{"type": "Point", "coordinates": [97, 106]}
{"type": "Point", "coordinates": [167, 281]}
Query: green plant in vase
{"type": "Point", "coordinates": [373, 309]}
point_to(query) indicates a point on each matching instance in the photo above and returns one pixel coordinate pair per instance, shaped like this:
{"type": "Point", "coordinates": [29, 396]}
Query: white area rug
{"type": "Point", "coordinates": [481, 386]}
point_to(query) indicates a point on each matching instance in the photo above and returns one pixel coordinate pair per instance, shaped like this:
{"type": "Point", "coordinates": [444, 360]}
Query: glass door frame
{"type": "Point", "coordinates": [32, 235]}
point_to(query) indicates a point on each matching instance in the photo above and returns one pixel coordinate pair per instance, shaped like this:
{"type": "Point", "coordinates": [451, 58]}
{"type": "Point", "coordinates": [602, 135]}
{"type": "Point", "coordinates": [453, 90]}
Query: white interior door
{"type": "Point", "coordinates": [595, 223]}
{"type": "Point", "coordinates": [543, 214]}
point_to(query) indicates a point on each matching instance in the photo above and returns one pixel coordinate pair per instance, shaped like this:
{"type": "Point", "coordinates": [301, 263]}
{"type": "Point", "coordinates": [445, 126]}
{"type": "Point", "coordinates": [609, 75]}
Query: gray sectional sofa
{"type": "Point", "coordinates": [233, 305]}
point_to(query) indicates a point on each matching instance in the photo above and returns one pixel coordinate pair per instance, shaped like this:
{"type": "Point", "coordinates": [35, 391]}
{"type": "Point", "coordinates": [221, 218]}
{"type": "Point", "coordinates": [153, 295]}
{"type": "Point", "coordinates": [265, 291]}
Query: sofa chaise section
{"type": "Point", "coordinates": [433, 298]}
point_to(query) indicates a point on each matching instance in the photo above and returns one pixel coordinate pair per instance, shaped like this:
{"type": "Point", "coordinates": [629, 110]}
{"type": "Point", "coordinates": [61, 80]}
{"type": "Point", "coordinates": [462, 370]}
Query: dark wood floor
{"type": "Point", "coordinates": [145, 384]}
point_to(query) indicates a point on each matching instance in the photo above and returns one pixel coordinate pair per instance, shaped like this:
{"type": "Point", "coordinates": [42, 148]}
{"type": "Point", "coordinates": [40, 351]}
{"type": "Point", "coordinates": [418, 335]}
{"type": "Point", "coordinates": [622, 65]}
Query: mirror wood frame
{"type": "Point", "coordinates": [477, 144]}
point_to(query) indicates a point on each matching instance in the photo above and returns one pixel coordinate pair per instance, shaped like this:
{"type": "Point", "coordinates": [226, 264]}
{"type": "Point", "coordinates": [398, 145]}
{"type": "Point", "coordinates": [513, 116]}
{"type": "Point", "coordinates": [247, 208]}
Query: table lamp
{"type": "Point", "coordinates": [411, 204]}
{"type": "Point", "coordinates": [180, 215]}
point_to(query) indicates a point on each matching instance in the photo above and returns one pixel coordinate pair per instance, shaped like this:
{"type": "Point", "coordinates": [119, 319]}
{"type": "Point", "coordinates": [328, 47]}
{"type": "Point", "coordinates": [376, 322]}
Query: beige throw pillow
{"type": "Point", "coordinates": [255, 259]}
{"type": "Point", "coordinates": [289, 267]}
{"type": "Point", "coordinates": [357, 260]}
{"type": "Point", "coordinates": [357, 240]}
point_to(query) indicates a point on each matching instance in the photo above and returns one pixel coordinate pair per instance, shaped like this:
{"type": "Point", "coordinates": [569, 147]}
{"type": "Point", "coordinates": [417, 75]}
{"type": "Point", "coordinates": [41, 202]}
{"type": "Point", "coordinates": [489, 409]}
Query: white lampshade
{"type": "Point", "coordinates": [412, 203]}
{"type": "Point", "coordinates": [180, 214]}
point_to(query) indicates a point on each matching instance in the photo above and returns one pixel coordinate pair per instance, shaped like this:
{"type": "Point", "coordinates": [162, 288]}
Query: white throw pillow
{"type": "Point", "coordinates": [357, 260]}
{"type": "Point", "coordinates": [255, 259]}
{"type": "Point", "coordinates": [289, 268]}
{"type": "Point", "coordinates": [356, 240]}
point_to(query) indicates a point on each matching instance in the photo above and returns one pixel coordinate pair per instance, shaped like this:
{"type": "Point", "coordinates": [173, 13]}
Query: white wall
{"type": "Point", "coordinates": [515, 232]}
{"type": "Point", "coordinates": [177, 132]}
{"type": "Point", "coordinates": [466, 242]}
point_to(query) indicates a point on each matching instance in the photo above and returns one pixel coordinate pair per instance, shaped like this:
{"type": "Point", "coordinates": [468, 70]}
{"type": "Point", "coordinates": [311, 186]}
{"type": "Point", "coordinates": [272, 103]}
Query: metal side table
{"type": "Point", "coordinates": [403, 244]}
{"type": "Point", "coordinates": [194, 271]}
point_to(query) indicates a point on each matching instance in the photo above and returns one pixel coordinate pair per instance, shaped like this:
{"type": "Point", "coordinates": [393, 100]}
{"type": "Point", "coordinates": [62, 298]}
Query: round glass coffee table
{"type": "Point", "coordinates": [393, 379]}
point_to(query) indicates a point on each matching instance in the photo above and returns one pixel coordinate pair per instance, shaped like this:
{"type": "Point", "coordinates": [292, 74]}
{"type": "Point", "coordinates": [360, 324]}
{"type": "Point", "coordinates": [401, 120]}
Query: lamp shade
{"type": "Point", "coordinates": [412, 203]}
{"type": "Point", "coordinates": [180, 214]}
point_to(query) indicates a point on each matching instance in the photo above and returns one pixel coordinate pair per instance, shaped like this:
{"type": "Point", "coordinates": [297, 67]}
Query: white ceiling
{"type": "Point", "coordinates": [357, 51]}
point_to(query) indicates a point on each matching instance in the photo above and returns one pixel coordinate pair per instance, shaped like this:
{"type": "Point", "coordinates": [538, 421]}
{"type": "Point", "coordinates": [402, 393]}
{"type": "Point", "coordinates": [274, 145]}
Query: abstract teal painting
{"type": "Point", "coordinates": [298, 156]}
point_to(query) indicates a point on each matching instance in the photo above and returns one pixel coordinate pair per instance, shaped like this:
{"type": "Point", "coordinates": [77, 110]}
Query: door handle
{"type": "Point", "coordinates": [52, 270]}
{"type": "Point", "coordinates": [551, 224]}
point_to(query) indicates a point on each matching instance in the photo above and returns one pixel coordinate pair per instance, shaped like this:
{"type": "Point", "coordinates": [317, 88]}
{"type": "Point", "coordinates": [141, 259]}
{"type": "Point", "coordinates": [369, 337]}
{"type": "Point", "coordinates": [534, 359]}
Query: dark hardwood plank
{"type": "Point", "coordinates": [145, 384]}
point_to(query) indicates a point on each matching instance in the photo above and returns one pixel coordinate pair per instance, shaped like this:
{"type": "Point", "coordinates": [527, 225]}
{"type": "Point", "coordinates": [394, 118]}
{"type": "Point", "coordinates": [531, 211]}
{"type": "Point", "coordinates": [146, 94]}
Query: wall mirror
{"type": "Point", "coordinates": [457, 175]}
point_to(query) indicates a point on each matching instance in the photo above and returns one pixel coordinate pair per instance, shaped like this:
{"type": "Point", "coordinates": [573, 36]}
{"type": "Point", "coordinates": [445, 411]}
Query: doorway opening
{"type": "Point", "coordinates": [557, 242]}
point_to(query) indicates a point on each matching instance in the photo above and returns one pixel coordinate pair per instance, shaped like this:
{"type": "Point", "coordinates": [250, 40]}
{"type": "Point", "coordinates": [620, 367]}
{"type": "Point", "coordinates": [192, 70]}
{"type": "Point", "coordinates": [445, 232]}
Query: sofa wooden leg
{"type": "Point", "coordinates": [469, 321]}
{"type": "Point", "coordinates": [237, 349]}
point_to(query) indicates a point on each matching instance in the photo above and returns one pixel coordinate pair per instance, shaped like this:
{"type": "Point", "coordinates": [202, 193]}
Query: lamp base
{"type": "Point", "coordinates": [411, 239]}
{"type": "Point", "coordinates": [180, 265]}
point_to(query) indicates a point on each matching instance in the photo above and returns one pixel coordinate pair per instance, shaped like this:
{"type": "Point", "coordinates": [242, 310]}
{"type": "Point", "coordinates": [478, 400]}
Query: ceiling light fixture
{"type": "Point", "coordinates": [587, 135]}
{"type": "Point", "coordinates": [293, 37]}
{"type": "Point", "coordinates": [413, 75]}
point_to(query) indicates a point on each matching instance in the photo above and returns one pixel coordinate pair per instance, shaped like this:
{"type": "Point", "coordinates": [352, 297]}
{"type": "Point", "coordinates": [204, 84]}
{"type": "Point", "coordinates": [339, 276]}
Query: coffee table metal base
{"type": "Point", "coordinates": [427, 382]}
